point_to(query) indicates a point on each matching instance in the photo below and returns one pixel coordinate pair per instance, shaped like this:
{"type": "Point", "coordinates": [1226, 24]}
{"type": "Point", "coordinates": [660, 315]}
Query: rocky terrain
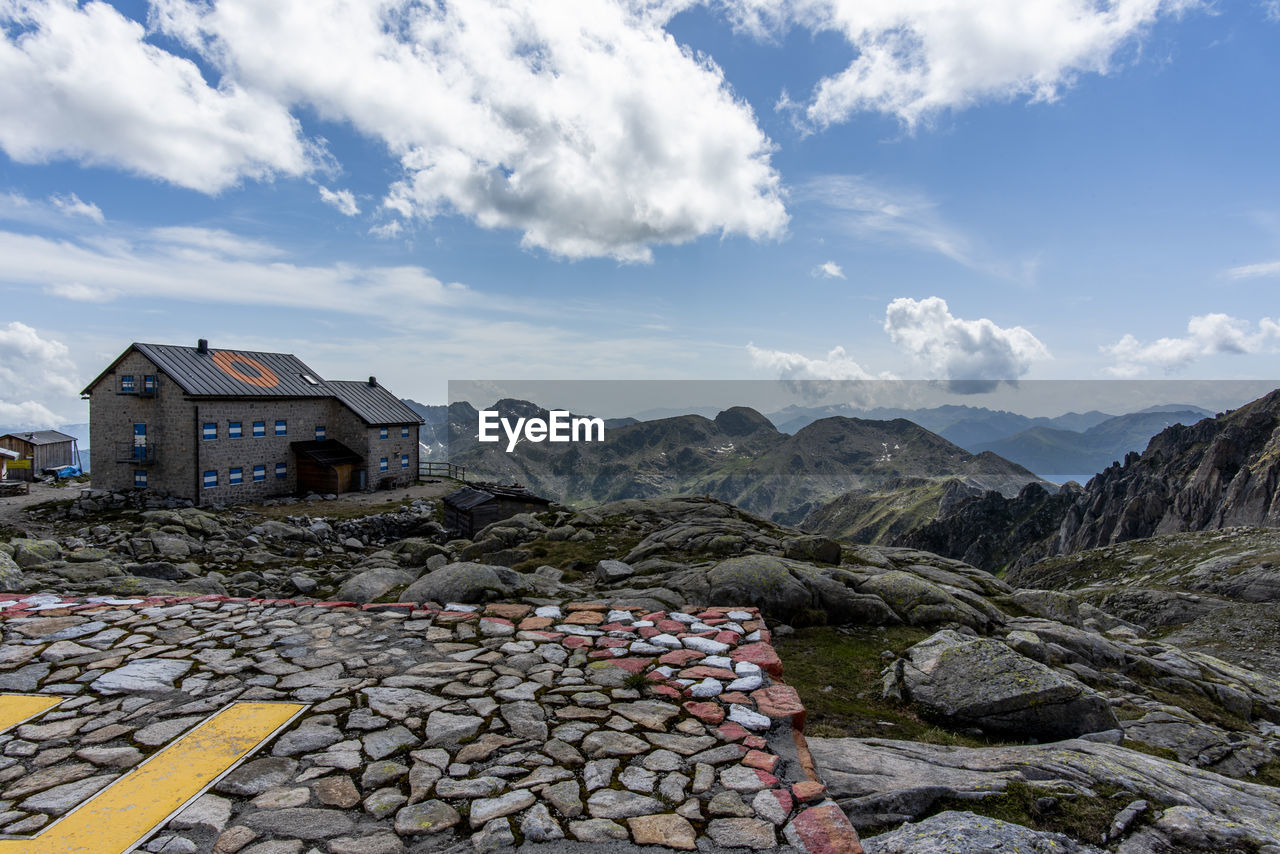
{"type": "Point", "coordinates": [936, 693]}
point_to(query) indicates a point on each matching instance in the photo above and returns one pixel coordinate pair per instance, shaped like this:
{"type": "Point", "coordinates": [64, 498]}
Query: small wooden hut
{"type": "Point", "coordinates": [38, 451]}
{"type": "Point", "coordinates": [471, 508]}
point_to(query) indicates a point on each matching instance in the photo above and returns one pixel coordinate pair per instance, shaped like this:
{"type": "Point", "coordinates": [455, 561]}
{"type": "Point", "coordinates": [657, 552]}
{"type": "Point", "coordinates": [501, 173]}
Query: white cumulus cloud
{"type": "Point", "coordinates": [559, 120]}
{"type": "Point", "coordinates": [1207, 335]}
{"type": "Point", "coordinates": [916, 58]}
{"type": "Point", "coordinates": [340, 199]}
{"type": "Point", "coordinates": [72, 205]}
{"type": "Point", "coordinates": [836, 365]}
{"type": "Point", "coordinates": [958, 350]}
{"type": "Point", "coordinates": [28, 414]}
{"type": "Point", "coordinates": [31, 364]}
{"type": "Point", "coordinates": [828, 270]}
{"type": "Point", "coordinates": [81, 82]}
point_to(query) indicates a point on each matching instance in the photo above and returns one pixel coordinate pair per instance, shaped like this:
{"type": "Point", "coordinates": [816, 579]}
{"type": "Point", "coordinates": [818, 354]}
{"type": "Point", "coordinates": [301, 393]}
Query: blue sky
{"type": "Point", "coordinates": [745, 189]}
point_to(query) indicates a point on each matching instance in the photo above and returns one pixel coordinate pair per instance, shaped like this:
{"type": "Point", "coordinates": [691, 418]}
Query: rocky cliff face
{"type": "Point", "coordinates": [1214, 474]}
{"type": "Point", "coordinates": [1218, 473]}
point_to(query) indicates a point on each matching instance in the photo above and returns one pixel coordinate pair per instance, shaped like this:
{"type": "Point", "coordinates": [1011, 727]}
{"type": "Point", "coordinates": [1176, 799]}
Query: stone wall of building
{"type": "Point", "coordinates": [168, 417]}
{"type": "Point", "coordinates": [221, 455]}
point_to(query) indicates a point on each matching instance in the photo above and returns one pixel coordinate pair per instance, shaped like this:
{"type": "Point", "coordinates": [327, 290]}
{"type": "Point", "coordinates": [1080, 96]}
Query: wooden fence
{"type": "Point", "coordinates": [428, 469]}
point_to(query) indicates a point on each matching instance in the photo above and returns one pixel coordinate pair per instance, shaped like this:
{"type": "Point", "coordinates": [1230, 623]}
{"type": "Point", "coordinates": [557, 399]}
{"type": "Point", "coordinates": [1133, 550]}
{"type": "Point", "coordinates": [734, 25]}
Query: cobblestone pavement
{"type": "Point", "coordinates": [569, 726]}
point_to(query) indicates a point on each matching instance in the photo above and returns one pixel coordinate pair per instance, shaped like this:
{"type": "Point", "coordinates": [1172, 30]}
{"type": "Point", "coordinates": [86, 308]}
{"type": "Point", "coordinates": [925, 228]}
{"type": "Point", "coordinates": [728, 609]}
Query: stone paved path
{"type": "Point", "coordinates": [569, 726]}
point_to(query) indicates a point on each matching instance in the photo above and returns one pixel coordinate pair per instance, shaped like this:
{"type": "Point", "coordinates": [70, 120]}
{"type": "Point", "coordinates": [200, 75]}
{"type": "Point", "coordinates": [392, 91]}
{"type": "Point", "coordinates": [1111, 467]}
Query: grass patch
{"type": "Point", "coordinates": [1152, 750]}
{"type": "Point", "coordinates": [1268, 775]}
{"type": "Point", "coordinates": [1202, 707]}
{"type": "Point", "coordinates": [1078, 816]}
{"type": "Point", "coordinates": [837, 673]}
{"type": "Point", "coordinates": [613, 541]}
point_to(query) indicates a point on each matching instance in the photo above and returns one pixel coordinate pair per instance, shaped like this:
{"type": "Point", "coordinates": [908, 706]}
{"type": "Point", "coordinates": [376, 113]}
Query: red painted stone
{"type": "Point", "coordinates": [759, 654]}
{"type": "Point", "coordinates": [632, 665]}
{"type": "Point", "coordinates": [731, 638]}
{"type": "Point", "coordinates": [665, 691]}
{"type": "Point", "coordinates": [609, 643]}
{"type": "Point", "coordinates": [584, 618]}
{"type": "Point", "coordinates": [808, 790]}
{"type": "Point", "coordinates": [535, 623]}
{"type": "Point", "coordinates": [708, 713]}
{"type": "Point", "coordinates": [576, 641]}
{"type": "Point", "coordinates": [755, 742]}
{"type": "Point", "coordinates": [508, 611]}
{"type": "Point", "coordinates": [731, 732]}
{"type": "Point", "coordinates": [616, 627]}
{"type": "Point", "coordinates": [647, 632]}
{"type": "Point", "coordinates": [701, 671]}
{"type": "Point", "coordinates": [760, 760]}
{"type": "Point", "coordinates": [780, 701]}
{"type": "Point", "coordinates": [784, 799]}
{"type": "Point", "coordinates": [670, 626]}
{"type": "Point", "coordinates": [823, 830]}
{"type": "Point", "coordinates": [680, 657]}
{"type": "Point", "coordinates": [735, 697]}
{"type": "Point", "coordinates": [653, 617]}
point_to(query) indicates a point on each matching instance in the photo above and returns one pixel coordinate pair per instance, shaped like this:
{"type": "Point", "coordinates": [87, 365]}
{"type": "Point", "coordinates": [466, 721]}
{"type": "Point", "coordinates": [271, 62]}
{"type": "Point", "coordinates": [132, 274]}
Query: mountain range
{"type": "Point", "coordinates": [739, 456]}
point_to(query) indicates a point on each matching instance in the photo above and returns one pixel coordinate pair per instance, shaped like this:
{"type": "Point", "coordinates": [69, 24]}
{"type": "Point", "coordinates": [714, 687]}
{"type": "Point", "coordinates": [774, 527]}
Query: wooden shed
{"type": "Point", "coordinates": [38, 450]}
{"type": "Point", "coordinates": [471, 508]}
{"type": "Point", "coordinates": [327, 465]}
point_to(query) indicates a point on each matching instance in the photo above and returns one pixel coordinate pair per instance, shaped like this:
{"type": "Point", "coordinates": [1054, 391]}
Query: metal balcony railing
{"type": "Point", "coordinates": [128, 452]}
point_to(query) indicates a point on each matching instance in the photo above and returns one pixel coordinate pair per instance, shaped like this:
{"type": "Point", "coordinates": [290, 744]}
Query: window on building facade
{"type": "Point", "coordinates": [320, 432]}
{"type": "Point", "coordinates": [126, 384]}
{"type": "Point", "coordinates": [382, 432]}
{"type": "Point", "coordinates": [404, 461]}
{"type": "Point", "coordinates": [235, 477]}
{"type": "Point", "coordinates": [282, 428]}
{"type": "Point", "coordinates": [210, 430]}
{"type": "Point", "coordinates": [259, 429]}
{"type": "Point", "coordinates": [140, 478]}
{"type": "Point", "coordinates": [382, 464]}
{"type": "Point", "coordinates": [282, 471]}
{"type": "Point", "coordinates": [234, 430]}
{"type": "Point", "coordinates": [210, 479]}
{"type": "Point", "coordinates": [404, 432]}
{"type": "Point", "coordinates": [149, 383]}
{"type": "Point", "coordinates": [259, 474]}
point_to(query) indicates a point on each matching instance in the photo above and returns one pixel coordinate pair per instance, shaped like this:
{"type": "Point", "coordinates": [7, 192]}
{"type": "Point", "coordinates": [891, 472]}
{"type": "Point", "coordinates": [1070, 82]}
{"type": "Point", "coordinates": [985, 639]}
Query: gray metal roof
{"type": "Point", "coordinates": [373, 403]}
{"type": "Point", "coordinates": [199, 373]}
{"type": "Point", "coordinates": [40, 437]}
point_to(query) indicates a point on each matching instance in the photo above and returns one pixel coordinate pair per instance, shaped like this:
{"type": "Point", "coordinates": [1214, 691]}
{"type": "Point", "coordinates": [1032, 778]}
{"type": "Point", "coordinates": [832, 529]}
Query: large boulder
{"type": "Point", "coordinates": [971, 681]}
{"type": "Point", "coordinates": [29, 553]}
{"type": "Point", "coordinates": [879, 782]}
{"type": "Point", "coordinates": [464, 582]}
{"type": "Point", "coordinates": [372, 584]}
{"type": "Point", "coordinates": [965, 833]}
{"type": "Point", "coordinates": [761, 580]}
{"type": "Point", "coordinates": [813, 548]}
{"type": "Point", "coordinates": [921, 602]}
{"type": "Point", "coordinates": [10, 575]}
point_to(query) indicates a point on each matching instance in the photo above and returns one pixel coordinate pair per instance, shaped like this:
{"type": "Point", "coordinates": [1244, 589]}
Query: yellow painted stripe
{"type": "Point", "coordinates": [19, 708]}
{"type": "Point", "coordinates": [127, 811]}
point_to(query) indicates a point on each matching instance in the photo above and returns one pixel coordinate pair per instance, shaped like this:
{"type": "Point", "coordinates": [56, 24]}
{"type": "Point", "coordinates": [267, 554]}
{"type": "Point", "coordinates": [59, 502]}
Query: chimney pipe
{"type": "Point", "coordinates": [373, 382]}
{"type": "Point", "coordinates": [202, 346]}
